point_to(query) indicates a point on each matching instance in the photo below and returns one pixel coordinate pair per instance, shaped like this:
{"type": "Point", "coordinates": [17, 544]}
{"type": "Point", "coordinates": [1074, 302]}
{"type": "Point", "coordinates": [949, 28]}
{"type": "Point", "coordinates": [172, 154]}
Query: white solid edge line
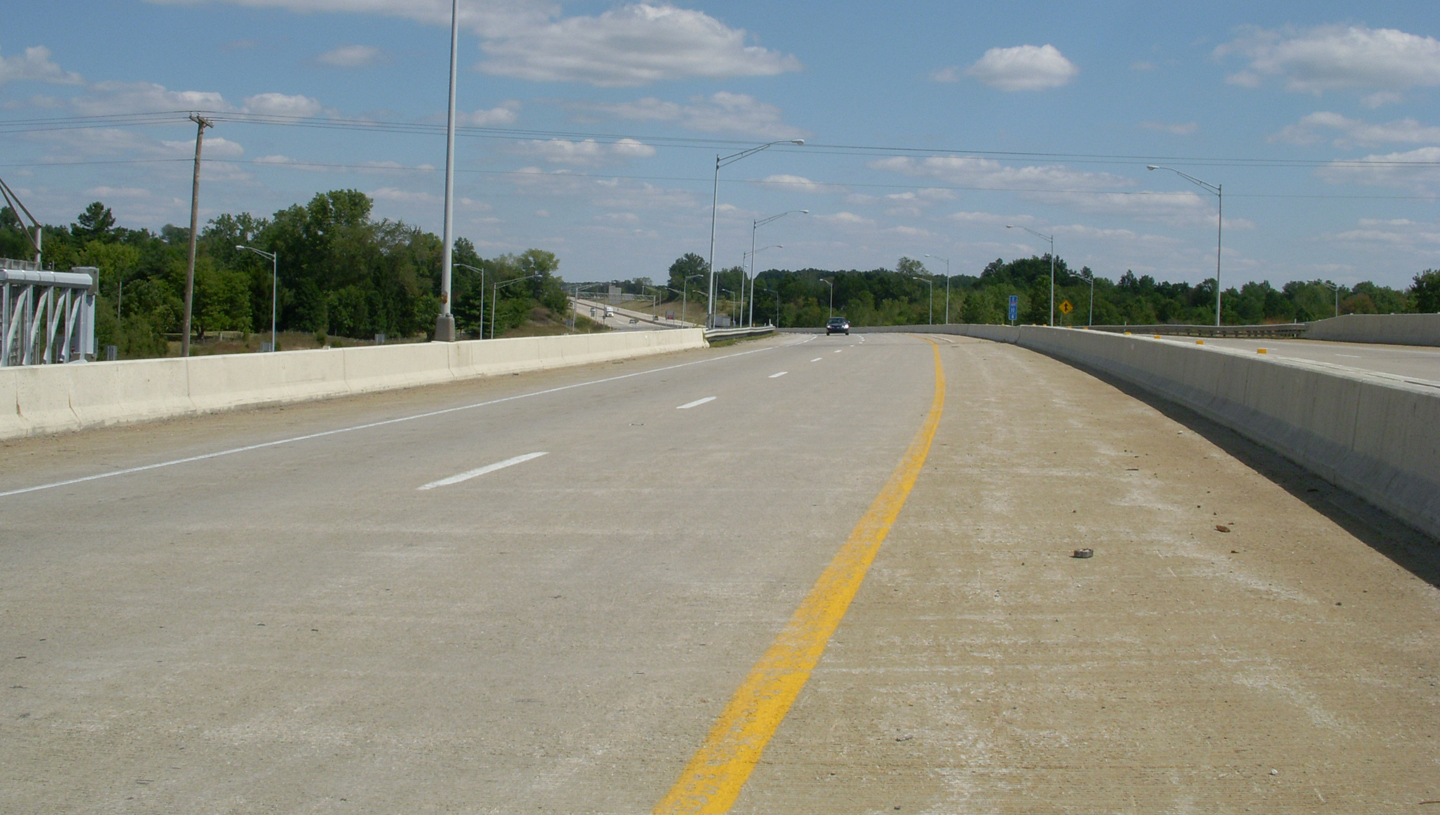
{"type": "Point", "coordinates": [696, 403]}
{"type": "Point", "coordinates": [777, 376]}
{"type": "Point", "coordinates": [469, 474]}
{"type": "Point", "coordinates": [322, 434]}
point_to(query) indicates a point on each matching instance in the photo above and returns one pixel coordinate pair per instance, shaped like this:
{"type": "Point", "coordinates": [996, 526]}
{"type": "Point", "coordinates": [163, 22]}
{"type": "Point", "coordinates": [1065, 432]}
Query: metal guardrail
{"type": "Point", "coordinates": [1280, 330]}
{"type": "Point", "coordinates": [737, 333]}
{"type": "Point", "coordinates": [47, 317]}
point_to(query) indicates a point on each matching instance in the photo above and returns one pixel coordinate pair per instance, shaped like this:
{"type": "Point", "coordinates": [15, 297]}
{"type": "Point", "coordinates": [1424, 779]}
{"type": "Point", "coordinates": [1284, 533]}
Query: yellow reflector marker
{"type": "Point", "coordinates": [1199, 342]}
{"type": "Point", "coordinates": [714, 777]}
{"type": "Point", "coordinates": [1260, 351]}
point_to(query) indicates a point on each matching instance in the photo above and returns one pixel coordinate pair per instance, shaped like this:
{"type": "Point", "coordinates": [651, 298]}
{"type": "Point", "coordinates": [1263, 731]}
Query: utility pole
{"type": "Point", "coordinates": [201, 123]}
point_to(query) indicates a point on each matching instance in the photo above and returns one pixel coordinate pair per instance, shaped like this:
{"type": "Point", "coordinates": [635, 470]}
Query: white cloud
{"type": "Point", "coordinates": [354, 56]}
{"type": "Point", "coordinates": [910, 231]}
{"type": "Point", "coordinates": [987, 173]}
{"type": "Point", "coordinates": [106, 98]}
{"type": "Point", "coordinates": [845, 219]}
{"type": "Point", "coordinates": [1335, 57]}
{"type": "Point", "coordinates": [1356, 131]}
{"type": "Point", "coordinates": [36, 66]}
{"type": "Point", "coordinates": [720, 112]}
{"type": "Point", "coordinates": [990, 219]}
{"type": "Point", "coordinates": [1142, 66]}
{"type": "Point", "coordinates": [1023, 68]}
{"type": "Point", "coordinates": [99, 193]}
{"type": "Point", "coordinates": [505, 114]}
{"type": "Point", "coordinates": [1417, 170]}
{"type": "Point", "coordinates": [279, 104]}
{"type": "Point", "coordinates": [400, 196]}
{"type": "Point", "coordinates": [1398, 234]}
{"type": "Point", "coordinates": [631, 45]}
{"type": "Point", "coordinates": [587, 153]}
{"type": "Point", "coordinates": [798, 183]}
{"type": "Point", "coordinates": [1179, 129]}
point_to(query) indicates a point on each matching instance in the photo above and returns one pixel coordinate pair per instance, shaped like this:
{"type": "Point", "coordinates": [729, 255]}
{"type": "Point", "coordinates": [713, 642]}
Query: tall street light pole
{"type": "Point", "coordinates": [714, 206]}
{"type": "Point", "coordinates": [445, 322]}
{"type": "Point", "coordinates": [753, 227]}
{"type": "Point", "coordinates": [827, 282]}
{"type": "Point", "coordinates": [752, 254]}
{"type": "Point", "coordinates": [1090, 276]}
{"type": "Point", "coordinates": [1219, 191]}
{"type": "Point", "coordinates": [931, 284]}
{"type": "Point", "coordinates": [274, 258]}
{"type": "Point", "coordinates": [1050, 238]}
{"type": "Point", "coordinates": [947, 285]}
{"type": "Point", "coordinates": [482, 294]}
{"type": "Point", "coordinates": [495, 297]}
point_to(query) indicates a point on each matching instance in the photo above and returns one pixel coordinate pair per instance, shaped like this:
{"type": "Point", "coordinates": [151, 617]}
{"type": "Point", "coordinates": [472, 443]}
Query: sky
{"type": "Point", "coordinates": [592, 129]}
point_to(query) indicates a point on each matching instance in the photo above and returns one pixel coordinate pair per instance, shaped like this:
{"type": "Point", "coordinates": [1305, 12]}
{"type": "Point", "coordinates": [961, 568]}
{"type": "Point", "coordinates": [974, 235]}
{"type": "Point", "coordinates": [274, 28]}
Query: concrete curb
{"type": "Point", "coordinates": [53, 398]}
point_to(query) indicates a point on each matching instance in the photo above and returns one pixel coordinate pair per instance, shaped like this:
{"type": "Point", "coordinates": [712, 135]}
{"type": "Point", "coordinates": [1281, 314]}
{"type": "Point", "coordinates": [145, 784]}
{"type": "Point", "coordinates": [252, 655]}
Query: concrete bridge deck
{"type": "Point", "coordinates": [266, 611]}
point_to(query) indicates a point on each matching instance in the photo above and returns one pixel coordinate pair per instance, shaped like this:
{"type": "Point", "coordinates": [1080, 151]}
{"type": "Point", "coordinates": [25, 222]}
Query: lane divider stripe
{"type": "Point", "coordinates": [469, 474]}
{"type": "Point", "coordinates": [696, 403]}
{"type": "Point", "coordinates": [777, 376]}
{"type": "Point", "coordinates": [368, 425]}
{"type": "Point", "coordinates": [817, 359]}
{"type": "Point", "coordinates": [712, 780]}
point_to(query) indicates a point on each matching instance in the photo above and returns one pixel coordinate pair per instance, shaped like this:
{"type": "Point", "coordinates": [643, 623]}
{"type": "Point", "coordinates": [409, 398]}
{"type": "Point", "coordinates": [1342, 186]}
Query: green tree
{"type": "Point", "coordinates": [1425, 293]}
{"type": "Point", "coordinates": [96, 223]}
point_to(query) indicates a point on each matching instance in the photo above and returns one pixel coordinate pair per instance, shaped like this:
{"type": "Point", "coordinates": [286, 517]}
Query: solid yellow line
{"type": "Point", "coordinates": [713, 779]}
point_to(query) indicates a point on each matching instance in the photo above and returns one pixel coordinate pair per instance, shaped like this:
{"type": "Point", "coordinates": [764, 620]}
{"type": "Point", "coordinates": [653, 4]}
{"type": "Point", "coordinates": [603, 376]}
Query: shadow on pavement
{"type": "Point", "coordinates": [1407, 546]}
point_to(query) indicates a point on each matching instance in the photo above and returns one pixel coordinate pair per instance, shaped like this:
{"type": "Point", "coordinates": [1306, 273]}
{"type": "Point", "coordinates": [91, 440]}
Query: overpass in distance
{"type": "Point", "coordinates": [560, 592]}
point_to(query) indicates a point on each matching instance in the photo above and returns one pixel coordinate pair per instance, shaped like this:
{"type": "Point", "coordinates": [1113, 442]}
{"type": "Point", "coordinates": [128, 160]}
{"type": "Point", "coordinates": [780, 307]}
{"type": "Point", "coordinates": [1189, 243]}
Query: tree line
{"type": "Point", "coordinates": [901, 296]}
{"type": "Point", "coordinates": [341, 272]}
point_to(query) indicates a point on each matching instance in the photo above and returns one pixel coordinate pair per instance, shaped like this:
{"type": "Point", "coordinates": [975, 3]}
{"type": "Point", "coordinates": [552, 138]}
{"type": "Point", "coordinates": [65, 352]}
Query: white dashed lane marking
{"type": "Point", "coordinates": [469, 474]}
{"type": "Point", "coordinates": [777, 376]}
{"type": "Point", "coordinates": [696, 403]}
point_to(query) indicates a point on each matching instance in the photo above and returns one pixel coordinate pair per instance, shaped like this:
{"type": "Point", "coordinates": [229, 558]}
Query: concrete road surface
{"type": "Point", "coordinates": [1406, 361]}
{"type": "Point", "coordinates": [346, 607]}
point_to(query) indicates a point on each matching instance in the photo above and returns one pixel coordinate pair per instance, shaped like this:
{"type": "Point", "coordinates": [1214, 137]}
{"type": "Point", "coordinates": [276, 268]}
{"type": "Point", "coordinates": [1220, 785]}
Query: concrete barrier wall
{"type": "Point", "coordinates": [1376, 436]}
{"type": "Point", "coordinates": [53, 398]}
{"type": "Point", "coordinates": [1381, 329]}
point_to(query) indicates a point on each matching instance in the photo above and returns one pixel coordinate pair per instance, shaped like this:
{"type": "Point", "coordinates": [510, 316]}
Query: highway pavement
{"type": "Point", "coordinates": [560, 593]}
{"type": "Point", "coordinates": [1405, 361]}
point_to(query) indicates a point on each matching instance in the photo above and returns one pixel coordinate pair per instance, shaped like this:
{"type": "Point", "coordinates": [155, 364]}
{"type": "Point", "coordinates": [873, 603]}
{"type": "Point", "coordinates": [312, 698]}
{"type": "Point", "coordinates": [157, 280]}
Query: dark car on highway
{"type": "Point", "coordinates": [837, 325]}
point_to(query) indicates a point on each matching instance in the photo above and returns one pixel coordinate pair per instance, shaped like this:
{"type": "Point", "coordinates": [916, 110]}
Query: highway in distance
{"type": "Point", "coordinates": [541, 593]}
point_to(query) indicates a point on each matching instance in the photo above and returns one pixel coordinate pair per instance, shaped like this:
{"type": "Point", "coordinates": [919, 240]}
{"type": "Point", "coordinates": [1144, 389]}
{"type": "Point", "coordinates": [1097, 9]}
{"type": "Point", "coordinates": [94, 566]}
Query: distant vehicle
{"type": "Point", "coordinates": [609, 312]}
{"type": "Point", "coordinates": [837, 325]}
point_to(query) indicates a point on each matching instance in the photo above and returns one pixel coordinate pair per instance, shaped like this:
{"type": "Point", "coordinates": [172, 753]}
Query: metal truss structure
{"type": "Point", "coordinates": [46, 317]}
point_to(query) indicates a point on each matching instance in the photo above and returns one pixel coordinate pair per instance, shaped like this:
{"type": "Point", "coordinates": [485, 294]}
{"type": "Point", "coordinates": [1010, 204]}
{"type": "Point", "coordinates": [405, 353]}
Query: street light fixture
{"type": "Point", "coordinates": [685, 297]}
{"type": "Point", "coordinates": [1219, 191]}
{"type": "Point", "coordinates": [753, 251]}
{"type": "Point", "coordinates": [274, 284]}
{"type": "Point", "coordinates": [1085, 274]}
{"type": "Point", "coordinates": [1336, 287]}
{"type": "Point", "coordinates": [753, 227]}
{"type": "Point", "coordinates": [714, 205]}
{"type": "Point", "coordinates": [495, 297]}
{"type": "Point", "coordinates": [827, 282]}
{"type": "Point", "coordinates": [927, 281]}
{"type": "Point", "coordinates": [482, 294]}
{"type": "Point", "coordinates": [947, 285]}
{"type": "Point", "coordinates": [1050, 238]}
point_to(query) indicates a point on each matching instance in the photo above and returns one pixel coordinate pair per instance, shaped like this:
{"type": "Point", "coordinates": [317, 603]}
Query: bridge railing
{"type": "Point", "coordinates": [47, 317]}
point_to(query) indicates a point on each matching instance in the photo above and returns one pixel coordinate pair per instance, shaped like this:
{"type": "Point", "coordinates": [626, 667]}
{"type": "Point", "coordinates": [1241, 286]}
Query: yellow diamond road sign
{"type": "Point", "coordinates": [1065, 307]}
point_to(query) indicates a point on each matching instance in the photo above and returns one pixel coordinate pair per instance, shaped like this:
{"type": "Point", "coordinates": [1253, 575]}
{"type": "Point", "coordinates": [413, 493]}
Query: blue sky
{"type": "Point", "coordinates": [593, 127]}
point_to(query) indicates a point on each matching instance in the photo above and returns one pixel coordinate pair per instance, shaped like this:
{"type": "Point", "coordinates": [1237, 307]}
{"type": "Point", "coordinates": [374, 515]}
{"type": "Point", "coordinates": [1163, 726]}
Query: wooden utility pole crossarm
{"type": "Point", "coordinates": [201, 123]}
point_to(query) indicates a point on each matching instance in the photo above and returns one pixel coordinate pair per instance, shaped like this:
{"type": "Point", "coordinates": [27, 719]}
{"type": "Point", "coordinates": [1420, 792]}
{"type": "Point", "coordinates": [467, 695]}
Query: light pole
{"type": "Point", "coordinates": [827, 282]}
{"type": "Point", "coordinates": [947, 285]}
{"type": "Point", "coordinates": [730, 292]}
{"type": "Point", "coordinates": [714, 205]}
{"type": "Point", "coordinates": [753, 227]}
{"type": "Point", "coordinates": [495, 297]}
{"type": "Point", "coordinates": [445, 321]}
{"type": "Point", "coordinates": [1050, 238]}
{"type": "Point", "coordinates": [1219, 191]}
{"type": "Point", "coordinates": [685, 297]}
{"type": "Point", "coordinates": [752, 254]}
{"type": "Point", "coordinates": [1084, 274]}
{"type": "Point", "coordinates": [482, 294]}
{"type": "Point", "coordinates": [274, 284]}
{"type": "Point", "coordinates": [931, 284]}
{"type": "Point", "coordinates": [1336, 287]}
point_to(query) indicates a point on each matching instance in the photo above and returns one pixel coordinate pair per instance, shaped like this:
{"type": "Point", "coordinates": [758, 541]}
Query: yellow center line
{"type": "Point", "coordinates": [714, 777]}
